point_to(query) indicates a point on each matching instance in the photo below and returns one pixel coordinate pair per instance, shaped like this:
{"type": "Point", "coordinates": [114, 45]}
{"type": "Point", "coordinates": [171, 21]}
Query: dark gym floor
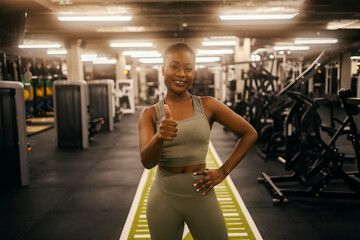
{"type": "Point", "coordinates": [86, 194]}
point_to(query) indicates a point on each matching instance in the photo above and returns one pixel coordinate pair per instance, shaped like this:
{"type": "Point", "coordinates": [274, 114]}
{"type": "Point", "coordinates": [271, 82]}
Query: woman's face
{"type": "Point", "coordinates": [179, 70]}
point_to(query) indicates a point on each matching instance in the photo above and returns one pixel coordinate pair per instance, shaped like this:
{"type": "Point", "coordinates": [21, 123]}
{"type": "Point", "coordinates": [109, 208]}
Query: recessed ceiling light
{"type": "Point", "coordinates": [151, 60]}
{"type": "Point", "coordinates": [207, 59]}
{"type": "Point", "coordinates": [219, 43]}
{"type": "Point", "coordinates": [57, 45]}
{"type": "Point", "coordinates": [292, 48]}
{"type": "Point", "coordinates": [258, 16]}
{"type": "Point", "coordinates": [139, 54]}
{"type": "Point", "coordinates": [94, 18]}
{"type": "Point", "coordinates": [214, 51]}
{"type": "Point", "coordinates": [315, 40]}
{"type": "Point", "coordinates": [57, 52]}
{"type": "Point", "coordinates": [131, 44]}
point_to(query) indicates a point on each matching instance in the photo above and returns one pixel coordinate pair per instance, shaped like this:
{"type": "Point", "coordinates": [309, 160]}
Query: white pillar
{"type": "Point", "coordinates": [143, 86]}
{"type": "Point", "coordinates": [134, 77]}
{"type": "Point", "coordinates": [162, 87]}
{"type": "Point", "coordinates": [241, 53]}
{"type": "Point", "coordinates": [120, 67]}
{"type": "Point", "coordinates": [217, 83]}
{"type": "Point", "coordinates": [73, 61]}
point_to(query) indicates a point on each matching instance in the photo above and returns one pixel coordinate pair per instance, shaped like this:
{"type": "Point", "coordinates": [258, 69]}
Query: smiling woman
{"type": "Point", "coordinates": [174, 134]}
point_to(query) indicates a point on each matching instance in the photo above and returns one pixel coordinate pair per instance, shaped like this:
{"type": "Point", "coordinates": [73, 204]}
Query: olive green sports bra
{"type": "Point", "coordinates": [191, 144]}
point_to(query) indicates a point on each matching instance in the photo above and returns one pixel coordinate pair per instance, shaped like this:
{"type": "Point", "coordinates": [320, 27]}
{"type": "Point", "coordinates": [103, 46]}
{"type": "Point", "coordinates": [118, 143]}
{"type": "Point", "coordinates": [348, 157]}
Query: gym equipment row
{"type": "Point", "coordinates": [73, 126]}
{"type": "Point", "coordinates": [14, 168]}
{"type": "Point", "coordinates": [318, 165]}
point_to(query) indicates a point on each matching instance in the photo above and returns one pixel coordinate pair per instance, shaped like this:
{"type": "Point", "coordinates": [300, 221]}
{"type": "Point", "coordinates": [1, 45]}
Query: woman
{"type": "Point", "coordinates": [174, 134]}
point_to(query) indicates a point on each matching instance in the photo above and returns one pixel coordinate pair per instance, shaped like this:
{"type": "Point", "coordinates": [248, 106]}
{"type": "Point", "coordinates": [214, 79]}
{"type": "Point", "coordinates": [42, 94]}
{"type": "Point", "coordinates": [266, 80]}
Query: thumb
{"type": "Point", "coordinates": [167, 111]}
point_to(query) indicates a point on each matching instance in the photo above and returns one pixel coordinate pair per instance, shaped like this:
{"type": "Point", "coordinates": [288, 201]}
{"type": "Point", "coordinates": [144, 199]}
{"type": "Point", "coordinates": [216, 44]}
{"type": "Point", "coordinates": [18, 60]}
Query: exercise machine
{"type": "Point", "coordinates": [14, 169]}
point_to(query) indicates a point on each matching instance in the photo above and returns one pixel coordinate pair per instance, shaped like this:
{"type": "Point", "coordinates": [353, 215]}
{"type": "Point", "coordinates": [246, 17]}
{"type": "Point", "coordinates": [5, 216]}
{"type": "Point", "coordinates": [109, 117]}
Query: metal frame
{"type": "Point", "coordinates": [21, 126]}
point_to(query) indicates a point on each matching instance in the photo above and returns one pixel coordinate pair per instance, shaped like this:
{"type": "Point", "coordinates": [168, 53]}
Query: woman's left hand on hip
{"type": "Point", "coordinates": [212, 177]}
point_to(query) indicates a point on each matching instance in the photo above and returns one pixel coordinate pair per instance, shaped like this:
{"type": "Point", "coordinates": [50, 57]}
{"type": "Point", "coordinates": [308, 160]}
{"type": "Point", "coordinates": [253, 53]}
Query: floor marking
{"type": "Point", "coordinates": [229, 200]}
{"type": "Point", "coordinates": [237, 234]}
{"type": "Point", "coordinates": [142, 236]}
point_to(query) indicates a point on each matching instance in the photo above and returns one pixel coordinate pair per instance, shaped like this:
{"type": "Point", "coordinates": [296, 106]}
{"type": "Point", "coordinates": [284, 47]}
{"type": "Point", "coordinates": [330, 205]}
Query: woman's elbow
{"type": "Point", "coordinates": [147, 164]}
{"type": "Point", "coordinates": [254, 134]}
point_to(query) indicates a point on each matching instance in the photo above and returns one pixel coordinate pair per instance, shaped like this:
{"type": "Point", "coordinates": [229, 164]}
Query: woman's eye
{"type": "Point", "coordinates": [189, 69]}
{"type": "Point", "coordinates": [173, 66]}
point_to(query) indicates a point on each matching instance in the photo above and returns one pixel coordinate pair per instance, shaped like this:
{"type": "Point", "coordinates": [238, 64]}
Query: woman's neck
{"type": "Point", "coordinates": [173, 97]}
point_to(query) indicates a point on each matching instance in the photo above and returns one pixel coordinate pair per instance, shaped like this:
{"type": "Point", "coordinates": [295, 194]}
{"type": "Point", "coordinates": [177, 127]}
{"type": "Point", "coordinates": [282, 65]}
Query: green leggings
{"type": "Point", "coordinates": [173, 201]}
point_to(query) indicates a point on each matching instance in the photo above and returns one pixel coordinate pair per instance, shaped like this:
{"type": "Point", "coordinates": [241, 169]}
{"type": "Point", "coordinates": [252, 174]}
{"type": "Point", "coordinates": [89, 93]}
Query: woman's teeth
{"type": "Point", "coordinates": [179, 82]}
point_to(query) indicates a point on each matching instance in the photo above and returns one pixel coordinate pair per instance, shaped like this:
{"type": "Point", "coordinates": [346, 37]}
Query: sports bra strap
{"type": "Point", "coordinates": [198, 108]}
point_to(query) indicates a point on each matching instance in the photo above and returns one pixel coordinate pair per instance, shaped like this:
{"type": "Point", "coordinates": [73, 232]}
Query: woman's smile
{"type": "Point", "coordinates": [179, 83]}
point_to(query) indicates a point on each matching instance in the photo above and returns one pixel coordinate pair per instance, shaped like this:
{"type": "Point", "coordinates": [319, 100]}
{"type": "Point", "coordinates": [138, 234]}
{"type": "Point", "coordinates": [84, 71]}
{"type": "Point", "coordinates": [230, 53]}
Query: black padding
{"type": "Point", "coordinates": [99, 104]}
{"type": "Point", "coordinates": [351, 109]}
{"type": "Point", "coordinates": [9, 147]}
{"type": "Point", "coordinates": [68, 116]}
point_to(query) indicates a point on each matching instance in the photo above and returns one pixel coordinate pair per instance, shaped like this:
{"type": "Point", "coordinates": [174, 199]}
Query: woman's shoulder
{"type": "Point", "coordinates": [150, 112]}
{"type": "Point", "coordinates": [208, 100]}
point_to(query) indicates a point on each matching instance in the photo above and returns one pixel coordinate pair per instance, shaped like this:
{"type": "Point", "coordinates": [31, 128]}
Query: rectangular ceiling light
{"type": "Point", "coordinates": [315, 40]}
{"type": "Point", "coordinates": [219, 43]}
{"type": "Point", "coordinates": [140, 54]}
{"type": "Point", "coordinates": [104, 61]}
{"type": "Point", "coordinates": [151, 60]}
{"type": "Point", "coordinates": [258, 16]}
{"type": "Point", "coordinates": [292, 48]}
{"type": "Point", "coordinates": [215, 51]}
{"type": "Point", "coordinates": [94, 18]}
{"type": "Point", "coordinates": [57, 45]}
{"type": "Point", "coordinates": [57, 52]}
{"type": "Point", "coordinates": [131, 44]}
{"type": "Point", "coordinates": [355, 57]}
{"type": "Point", "coordinates": [344, 24]}
{"type": "Point", "coordinates": [207, 59]}
{"type": "Point", "coordinates": [88, 57]}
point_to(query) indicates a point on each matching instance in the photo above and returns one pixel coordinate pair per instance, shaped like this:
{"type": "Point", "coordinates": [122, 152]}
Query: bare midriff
{"type": "Point", "coordinates": [184, 169]}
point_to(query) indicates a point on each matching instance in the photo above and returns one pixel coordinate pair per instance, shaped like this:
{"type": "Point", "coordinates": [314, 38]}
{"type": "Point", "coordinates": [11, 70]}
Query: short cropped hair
{"type": "Point", "coordinates": [178, 46]}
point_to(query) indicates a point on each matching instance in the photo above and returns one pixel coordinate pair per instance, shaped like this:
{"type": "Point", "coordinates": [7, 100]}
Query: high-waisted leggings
{"type": "Point", "coordinates": [173, 201]}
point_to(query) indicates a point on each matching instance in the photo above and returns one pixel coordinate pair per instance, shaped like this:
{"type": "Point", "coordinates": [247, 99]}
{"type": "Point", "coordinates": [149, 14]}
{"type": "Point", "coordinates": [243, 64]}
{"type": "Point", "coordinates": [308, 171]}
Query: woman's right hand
{"type": "Point", "coordinates": [168, 127]}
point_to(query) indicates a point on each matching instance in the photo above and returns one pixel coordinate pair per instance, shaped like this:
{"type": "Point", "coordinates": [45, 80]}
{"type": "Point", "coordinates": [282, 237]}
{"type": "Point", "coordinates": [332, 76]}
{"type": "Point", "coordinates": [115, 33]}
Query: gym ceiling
{"type": "Point", "coordinates": [167, 21]}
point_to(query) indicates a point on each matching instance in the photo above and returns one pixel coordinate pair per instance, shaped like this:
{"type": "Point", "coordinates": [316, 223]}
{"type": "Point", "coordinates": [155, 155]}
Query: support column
{"type": "Point", "coordinates": [218, 84]}
{"type": "Point", "coordinates": [73, 61]}
{"type": "Point", "coordinates": [162, 87]}
{"type": "Point", "coordinates": [120, 67]}
{"type": "Point", "coordinates": [135, 78]}
{"type": "Point", "coordinates": [345, 68]}
{"type": "Point", "coordinates": [241, 53]}
{"type": "Point", "coordinates": [143, 86]}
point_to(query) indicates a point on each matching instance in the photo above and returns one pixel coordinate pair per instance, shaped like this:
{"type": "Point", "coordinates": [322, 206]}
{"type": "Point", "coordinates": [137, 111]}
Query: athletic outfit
{"type": "Point", "coordinates": [172, 198]}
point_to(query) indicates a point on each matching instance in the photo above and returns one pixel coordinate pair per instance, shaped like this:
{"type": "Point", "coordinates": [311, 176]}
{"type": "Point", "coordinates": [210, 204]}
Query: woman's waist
{"type": "Point", "coordinates": [177, 184]}
{"type": "Point", "coordinates": [183, 169]}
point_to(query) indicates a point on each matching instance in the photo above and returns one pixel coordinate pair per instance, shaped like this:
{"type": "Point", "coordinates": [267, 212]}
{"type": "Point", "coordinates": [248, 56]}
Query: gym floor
{"type": "Point", "coordinates": [86, 194]}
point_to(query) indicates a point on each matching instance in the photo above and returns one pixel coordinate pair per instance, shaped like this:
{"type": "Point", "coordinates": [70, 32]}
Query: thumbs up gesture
{"type": "Point", "coordinates": [168, 126]}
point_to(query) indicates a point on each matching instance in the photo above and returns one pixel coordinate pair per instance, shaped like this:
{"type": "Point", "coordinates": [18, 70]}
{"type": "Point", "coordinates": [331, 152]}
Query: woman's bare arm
{"type": "Point", "coordinates": [220, 113]}
{"type": "Point", "coordinates": [151, 142]}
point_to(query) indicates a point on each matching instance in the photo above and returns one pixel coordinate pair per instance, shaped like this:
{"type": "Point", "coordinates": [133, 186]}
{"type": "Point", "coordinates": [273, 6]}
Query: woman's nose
{"type": "Point", "coordinates": [181, 73]}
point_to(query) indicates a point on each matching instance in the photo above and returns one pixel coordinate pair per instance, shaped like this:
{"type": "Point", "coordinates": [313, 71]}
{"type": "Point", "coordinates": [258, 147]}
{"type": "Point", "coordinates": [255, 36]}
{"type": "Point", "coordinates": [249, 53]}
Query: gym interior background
{"type": "Point", "coordinates": [75, 75]}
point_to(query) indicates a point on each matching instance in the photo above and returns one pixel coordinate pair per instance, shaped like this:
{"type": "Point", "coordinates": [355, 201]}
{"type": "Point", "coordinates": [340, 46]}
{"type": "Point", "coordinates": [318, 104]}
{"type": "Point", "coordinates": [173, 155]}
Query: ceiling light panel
{"type": "Point", "coordinates": [240, 17]}
{"type": "Point", "coordinates": [94, 18]}
{"type": "Point", "coordinates": [292, 48]}
{"type": "Point", "coordinates": [131, 44]}
{"type": "Point", "coordinates": [56, 45]}
{"type": "Point", "coordinates": [315, 40]}
{"type": "Point", "coordinates": [219, 43]}
{"type": "Point", "coordinates": [214, 51]}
